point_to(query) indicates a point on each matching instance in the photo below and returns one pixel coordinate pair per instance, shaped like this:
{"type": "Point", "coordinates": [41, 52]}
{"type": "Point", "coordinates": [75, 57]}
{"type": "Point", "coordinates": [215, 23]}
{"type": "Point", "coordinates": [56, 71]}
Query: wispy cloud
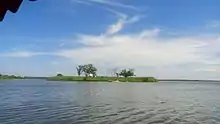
{"type": "Point", "coordinates": [146, 50]}
{"type": "Point", "coordinates": [19, 54]}
{"type": "Point", "coordinates": [208, 69]}
{"type": "Point", "coordinates": [55, 63]}
{"type": "Point", "coordinates": [213, 24]}
{"type": "Point", "coordinates": [116, 4]}
{"type": "Point", "coordinates": [149, 50]}
{"type": "Point", "coordinates": [24, 54]}
{"type": "Point", "coordinates": [81, 2]}
{"type": "Point", "coordinates": [114, 28]}
{"type": "Point", "coordinates": [93, 42]}
{"type": "Point", "coordinates": [106, 2]}
{"type": "Point", "coordinates": [122, 18]}
{"type": "Point", "coordinates": [120, 24]}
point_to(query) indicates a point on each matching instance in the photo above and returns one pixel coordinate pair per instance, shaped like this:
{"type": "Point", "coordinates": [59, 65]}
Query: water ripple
{"type": "Point", "coordinates": [66, 103]}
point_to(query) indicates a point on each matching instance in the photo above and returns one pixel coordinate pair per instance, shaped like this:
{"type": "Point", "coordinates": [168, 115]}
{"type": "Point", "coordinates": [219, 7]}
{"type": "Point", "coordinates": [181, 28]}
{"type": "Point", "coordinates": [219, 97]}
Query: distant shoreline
{"type": "Point", "coordinates": [102, 79]}
{"type": "Point", "coordinates": [111, 79]}
{"type": "Point", "coordinates": [10, 77]}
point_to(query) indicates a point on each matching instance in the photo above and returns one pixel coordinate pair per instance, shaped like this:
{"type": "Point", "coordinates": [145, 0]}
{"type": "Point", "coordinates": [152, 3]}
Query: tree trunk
{"type": "Point", "coordinates": [126, 79]}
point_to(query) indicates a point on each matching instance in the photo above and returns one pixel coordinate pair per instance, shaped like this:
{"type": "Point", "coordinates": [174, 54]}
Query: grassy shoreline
{"type": "Point", "coordinates": [102, 79]}
{"type": "Point", "coordinates": [10, 78]}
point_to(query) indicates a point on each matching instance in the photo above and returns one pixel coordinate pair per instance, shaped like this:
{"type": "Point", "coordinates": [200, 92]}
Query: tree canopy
{"type": "Point", "coordinates": [127, 73]}
{"type": "Point", "coordinates": [59, 75]}
{"type": "Point", "coordinates": [10, 77]}
{"type": "Point", "coordinates": [87, 70]}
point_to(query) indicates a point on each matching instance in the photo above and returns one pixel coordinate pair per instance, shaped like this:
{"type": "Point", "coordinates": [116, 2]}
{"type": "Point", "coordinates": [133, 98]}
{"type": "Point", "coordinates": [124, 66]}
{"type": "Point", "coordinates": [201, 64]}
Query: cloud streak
{"type": "Point", "coordinates": [81, 2]}
{"type": "Point", "coordinates": [122, 19]}
{"type": "Point", "coordinates": [107, 3]}
{"type": "Point", "coordinates": [25, 54]}
{"type": "Point", "coordinates": [120, 24]}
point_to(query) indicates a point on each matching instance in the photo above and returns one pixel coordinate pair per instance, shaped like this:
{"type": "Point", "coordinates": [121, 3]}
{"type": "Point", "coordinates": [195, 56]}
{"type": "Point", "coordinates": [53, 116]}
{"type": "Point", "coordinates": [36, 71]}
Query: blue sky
{"type": "Point", "coordinates": [166, 39]}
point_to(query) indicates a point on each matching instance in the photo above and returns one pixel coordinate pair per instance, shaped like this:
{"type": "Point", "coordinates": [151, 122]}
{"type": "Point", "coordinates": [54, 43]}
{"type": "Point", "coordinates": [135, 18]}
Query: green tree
{"type": "Point", "coordinates": [89, 69]}
{"type": "Point", "coordinates": [127, 73]}
{"type": "Point", "coordinates": [59, 75]}
{"type": "Point", "coordinates": [80, 69]}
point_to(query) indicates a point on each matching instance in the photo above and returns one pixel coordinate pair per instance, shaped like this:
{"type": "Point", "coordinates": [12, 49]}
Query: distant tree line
{"type": "Point", "coordinates": [2, 76]}
{"type": "Point", "coordinates": [126, 73]}
{"type": "Point", "coordinates": [89, 70]}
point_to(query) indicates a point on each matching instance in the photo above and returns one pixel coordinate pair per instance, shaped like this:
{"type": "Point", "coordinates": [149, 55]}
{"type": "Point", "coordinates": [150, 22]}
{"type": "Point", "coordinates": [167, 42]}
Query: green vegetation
{"type": "Point", "coordinates": [3, 77]}
{"type": "Point", "coordinates": [90, 74]}
{"type": "Point", "coordinates": [59, 75]}
{"type": "Point", "coordinates": [103, 79]}
{"type": "Point", "coordinates": [126, 73]}
{"type": "Point", "coordinates": [89, 70]}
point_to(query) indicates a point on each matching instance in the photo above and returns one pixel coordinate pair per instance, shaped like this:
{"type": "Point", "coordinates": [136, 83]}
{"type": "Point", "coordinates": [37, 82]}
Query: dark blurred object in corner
{"type": "Point", "coordinates": [11, 5]}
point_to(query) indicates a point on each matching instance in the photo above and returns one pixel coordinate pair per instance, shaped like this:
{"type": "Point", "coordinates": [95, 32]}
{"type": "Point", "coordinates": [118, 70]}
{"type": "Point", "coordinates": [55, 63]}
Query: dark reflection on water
{"type": "Point", "coordinates": [42, 102]}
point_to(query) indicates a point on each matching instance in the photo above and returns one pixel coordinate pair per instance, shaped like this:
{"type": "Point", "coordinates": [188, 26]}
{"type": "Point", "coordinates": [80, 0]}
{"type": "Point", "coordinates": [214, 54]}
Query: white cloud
{"type": "Point", "coordinates": [209, 69]}
{"type": "Point", "coordinates": [116, 27]}
{"type": "Point", "coordinates": [213, 24]}
{"type": "Point", "coordinates": [62, 44]}
{"type": "Point", "coordinates": [119, 25]}
{"type": "Point", "coordinates": [107, 2]}
{"type": "Point", "coordinates": [81, 2]}
{"type": "Point", "coordinates": [146, 51]}
{"type": "Point", "coordinates": [24, 54]}
{"type": "Point", "coordinates": [19, 54]}
{"type": "Point", "coordinates": [94, 41]}
{"type": "Point", "coordinates": [55, 63]}
{"type": "Point", "coordinates": [194, 57]}
{"type": "Point", "coordinates": [149, 33]}
{"type": "Point", "coordinates": [122, 19]}
{"type": "Point", "coordinates": [138, 50]}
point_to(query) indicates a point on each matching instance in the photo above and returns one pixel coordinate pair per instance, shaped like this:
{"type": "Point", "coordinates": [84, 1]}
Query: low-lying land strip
{"type": "Point", "coordinates": [102, 79]}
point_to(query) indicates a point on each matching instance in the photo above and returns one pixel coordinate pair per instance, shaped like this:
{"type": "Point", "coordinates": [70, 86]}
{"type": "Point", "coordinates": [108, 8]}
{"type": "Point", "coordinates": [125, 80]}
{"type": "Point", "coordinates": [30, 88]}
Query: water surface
{"type": "Point", "coordinates": [44, 102]}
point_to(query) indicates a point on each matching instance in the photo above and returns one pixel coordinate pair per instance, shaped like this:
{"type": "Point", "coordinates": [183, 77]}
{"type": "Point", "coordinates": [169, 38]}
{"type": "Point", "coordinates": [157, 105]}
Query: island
{"type": "Point", "coordinates": [88, 73]}
{"type": "Point", "coordinates": [9, 77]}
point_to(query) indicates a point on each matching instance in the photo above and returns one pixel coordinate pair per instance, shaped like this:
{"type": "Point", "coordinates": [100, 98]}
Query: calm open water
{"type": "Point", "coordinates": [43, 102]}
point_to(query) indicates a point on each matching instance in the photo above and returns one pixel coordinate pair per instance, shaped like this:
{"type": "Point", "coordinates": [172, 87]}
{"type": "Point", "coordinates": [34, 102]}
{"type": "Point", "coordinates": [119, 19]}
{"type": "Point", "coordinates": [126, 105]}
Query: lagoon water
{"type": "Point", "coordinates": [44, 102]}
